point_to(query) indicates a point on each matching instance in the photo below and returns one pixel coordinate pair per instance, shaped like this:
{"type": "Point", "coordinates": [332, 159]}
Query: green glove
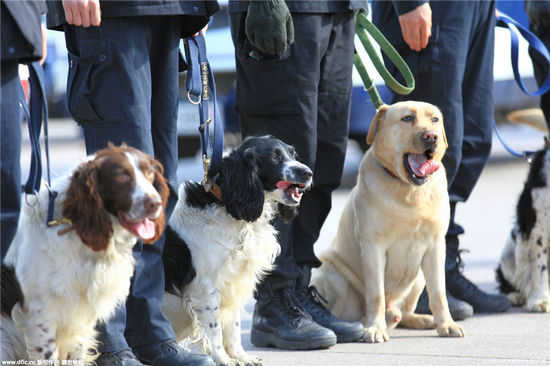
{"type": "Point", "coordinates": [269, 26]}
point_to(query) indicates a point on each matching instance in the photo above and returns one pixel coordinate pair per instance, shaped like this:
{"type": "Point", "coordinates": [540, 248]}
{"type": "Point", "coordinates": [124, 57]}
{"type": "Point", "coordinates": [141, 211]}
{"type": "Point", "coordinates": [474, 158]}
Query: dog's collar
{"type": "Point", "coordinates": [62, 221]}
{"type": "Point", "coordinates": [216, 191]}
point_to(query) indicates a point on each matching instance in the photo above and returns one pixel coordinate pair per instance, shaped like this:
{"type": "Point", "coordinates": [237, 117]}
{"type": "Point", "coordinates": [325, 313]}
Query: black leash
{"type": "Point", "coordinates": [38, 113]}
{"type": "Point", "coordinates": [201, 89]}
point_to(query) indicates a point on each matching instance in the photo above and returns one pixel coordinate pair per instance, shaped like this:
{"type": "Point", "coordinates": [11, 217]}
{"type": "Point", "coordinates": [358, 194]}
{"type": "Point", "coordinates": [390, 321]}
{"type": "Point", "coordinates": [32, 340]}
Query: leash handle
{"type": "Point", "coordinates": [515, 28]}
{"type": "Point", "coordinates": [364, 27]}
{"type": "Point", "coordinates": [38, 113]}
{"type": "Point", "coordinates": [201, 88]}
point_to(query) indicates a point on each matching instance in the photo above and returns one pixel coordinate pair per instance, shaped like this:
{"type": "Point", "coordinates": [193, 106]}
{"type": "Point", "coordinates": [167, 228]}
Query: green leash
{"type": "Point", "coordinates": [362, 26]}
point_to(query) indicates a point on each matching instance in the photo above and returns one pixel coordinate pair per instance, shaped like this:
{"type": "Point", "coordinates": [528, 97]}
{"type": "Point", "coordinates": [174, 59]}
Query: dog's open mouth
{"type": "Point", "coordinates": [292, 190]}
{"type": "Point", "coordinates": [143, 228]}
{"type": "Point", "coordinates": [420, 166]}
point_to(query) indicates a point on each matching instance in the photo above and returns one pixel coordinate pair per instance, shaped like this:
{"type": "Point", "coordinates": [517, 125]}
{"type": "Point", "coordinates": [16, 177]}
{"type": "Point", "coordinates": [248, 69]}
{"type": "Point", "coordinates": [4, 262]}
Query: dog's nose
{"type": "Point", "coordinates": [306, 173]}
{"type": "Point", "coordinates": [429, 138]}
{"type": "Point", "coordinates": [151, 204]}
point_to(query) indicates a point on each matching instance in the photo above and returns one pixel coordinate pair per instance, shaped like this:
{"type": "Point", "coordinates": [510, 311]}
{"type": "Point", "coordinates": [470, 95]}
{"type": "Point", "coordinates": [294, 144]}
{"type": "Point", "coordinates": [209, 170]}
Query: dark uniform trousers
{"type": "Point", "coordinates": [21, 43]}
{"type": "Point", "coordinates": [455, 73]}
{"type": "Point", "coordinates": [123, 87]}
{"type": "Point", "coordinates": [540, 68]}
{"type": "Point", "coordinates": [303, 98]}
{"type": "Point", "coordinates": [11, 152]}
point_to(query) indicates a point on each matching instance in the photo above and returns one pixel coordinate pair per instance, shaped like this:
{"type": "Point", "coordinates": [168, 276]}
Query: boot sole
{"type": "Point", "coordinates": [263, 339]}
{"type": "Point", "coordinates": [350, 337]}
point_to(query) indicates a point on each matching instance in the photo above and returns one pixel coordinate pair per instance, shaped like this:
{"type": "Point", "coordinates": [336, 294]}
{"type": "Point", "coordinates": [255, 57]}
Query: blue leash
{"type": "Point", "coordinates": [504, 21]}
{"type": "Point", "coordinates": [38, 113]}
{"type": "Point", "coordinates": [514, 27]}
{"type": "Point", "coordinates": [201, 89]}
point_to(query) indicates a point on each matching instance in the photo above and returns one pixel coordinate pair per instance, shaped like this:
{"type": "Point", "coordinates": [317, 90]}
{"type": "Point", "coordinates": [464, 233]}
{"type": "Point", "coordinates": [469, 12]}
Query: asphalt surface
{"type": "Point", "coordinates": [512, 338]}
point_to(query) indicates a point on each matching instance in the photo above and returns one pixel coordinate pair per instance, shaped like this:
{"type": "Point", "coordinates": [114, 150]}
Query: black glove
{"type": "Point", "coordinates": [269, 26]}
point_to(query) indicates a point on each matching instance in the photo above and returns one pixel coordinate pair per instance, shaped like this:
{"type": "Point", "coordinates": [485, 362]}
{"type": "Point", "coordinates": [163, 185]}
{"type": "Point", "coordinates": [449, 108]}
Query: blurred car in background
{"type": "Point", "coordinates": [220, 49]}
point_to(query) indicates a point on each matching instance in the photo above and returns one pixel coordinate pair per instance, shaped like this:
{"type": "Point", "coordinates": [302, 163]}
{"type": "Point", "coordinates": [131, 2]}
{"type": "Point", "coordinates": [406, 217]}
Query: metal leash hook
{"type": "Point", "coordinates": [200, 84]}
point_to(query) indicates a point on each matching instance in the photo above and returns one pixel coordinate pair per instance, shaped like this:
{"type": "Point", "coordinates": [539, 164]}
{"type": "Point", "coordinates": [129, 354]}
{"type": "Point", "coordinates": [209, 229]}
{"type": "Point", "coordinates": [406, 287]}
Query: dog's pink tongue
{"type": "Point", "coordinates": [283, 184]}
{"type": "Point", "coordinates": [421, 166]}
{"type": "Point", "coordinates": [144, 229]}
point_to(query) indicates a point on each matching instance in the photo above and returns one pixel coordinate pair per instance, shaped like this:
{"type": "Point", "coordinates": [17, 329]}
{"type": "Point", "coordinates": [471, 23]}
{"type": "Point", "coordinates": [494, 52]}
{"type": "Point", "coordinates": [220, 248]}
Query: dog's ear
{"type": "Point", "coordinates": [83, 205]}
{"type": "Point", "coordinates": [374, 123]}
{"type": "Point", "coordinates": [546, 142]}
{"type": "Point", "coordinates": [242, 189]}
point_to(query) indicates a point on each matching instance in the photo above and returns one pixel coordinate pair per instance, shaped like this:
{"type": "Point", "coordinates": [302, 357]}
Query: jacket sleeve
{"type": "Point", "coordinates": [404, 6]}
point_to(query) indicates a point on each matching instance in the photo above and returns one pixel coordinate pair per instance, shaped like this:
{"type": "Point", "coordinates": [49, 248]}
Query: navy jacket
{"type": "Point", "coordinates": [21, 36]}
{"type": "Point", "coordinates": [308, 6]}
{"type": "Point", "coordinates": [124, 8]}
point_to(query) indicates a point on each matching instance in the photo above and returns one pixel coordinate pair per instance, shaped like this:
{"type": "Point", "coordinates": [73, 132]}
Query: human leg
{"type": "Point", "coordinates": [478, 114]}
{"type": "Point", "coordinates": [279, 97]}
{"type": "Point", "coordinates": [10, 152]}
{"type": "Point", "coordinates": [126, 68]}
{"type": "Point", "coordinates": [540, 68]}
{"type": "Point", "coordinates": [333, 109]}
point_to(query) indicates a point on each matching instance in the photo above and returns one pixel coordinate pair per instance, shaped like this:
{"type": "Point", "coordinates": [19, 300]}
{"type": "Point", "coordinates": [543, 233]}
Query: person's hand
{"type": "Point", "coordinates": [269, 26]}
{"type": "Point", "coordinates": [416, 27]}
{"type": "Point", "coordinates": [82, 12]}
{"type": "Point", "coordinates": [203, 31]}
{"type": "Point", "coordinates": [44, 44]}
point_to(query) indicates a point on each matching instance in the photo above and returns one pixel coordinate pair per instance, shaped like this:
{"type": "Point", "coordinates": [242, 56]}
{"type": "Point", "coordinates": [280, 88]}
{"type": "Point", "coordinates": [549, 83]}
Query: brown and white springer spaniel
{"type": "Point", "coordinates": [57, 282]}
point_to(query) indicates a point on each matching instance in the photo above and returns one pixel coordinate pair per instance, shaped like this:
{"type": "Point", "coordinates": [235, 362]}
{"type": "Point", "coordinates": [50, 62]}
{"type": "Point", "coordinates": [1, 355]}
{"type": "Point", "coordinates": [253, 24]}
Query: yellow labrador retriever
{"type": "Point", "coordinates": [391, 236]}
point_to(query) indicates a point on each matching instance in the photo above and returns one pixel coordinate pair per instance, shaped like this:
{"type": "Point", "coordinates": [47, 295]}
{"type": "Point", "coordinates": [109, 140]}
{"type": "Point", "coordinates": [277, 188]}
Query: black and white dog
{"type": "Point", "coordinates": [522, 273]}
{"type": "Point", "coordinates": [228, 236]}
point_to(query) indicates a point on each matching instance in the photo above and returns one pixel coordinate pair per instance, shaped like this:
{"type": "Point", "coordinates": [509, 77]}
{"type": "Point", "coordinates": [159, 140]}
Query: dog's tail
{"type": "Point", "coordinates": [11, 290]}
{"type": "Point", "coordinates": [504, 286]}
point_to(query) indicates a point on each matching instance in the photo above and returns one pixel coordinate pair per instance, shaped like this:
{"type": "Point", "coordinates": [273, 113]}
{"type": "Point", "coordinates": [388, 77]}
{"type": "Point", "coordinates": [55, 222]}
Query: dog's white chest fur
{"type": "Point", "coordinates": [59, 276]}
{"type": "Point", "coordinates": [230, 256]}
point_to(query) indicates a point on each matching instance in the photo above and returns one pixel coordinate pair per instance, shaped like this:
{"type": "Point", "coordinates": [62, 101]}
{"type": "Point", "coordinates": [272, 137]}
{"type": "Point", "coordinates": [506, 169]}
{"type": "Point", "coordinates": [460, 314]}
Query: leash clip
{"type": "Point", "coordinates": [206, 183]}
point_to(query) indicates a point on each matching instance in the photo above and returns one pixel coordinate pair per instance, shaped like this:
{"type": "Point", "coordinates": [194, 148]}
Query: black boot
{"type": "Point", "coordinates": [279, 321]}
{"type": "Point", "coordinates": [463, 289]}
{"type": "Point", "coordinates": [312, 302]}
{"type": "Point", "coordinates": [459, 309]}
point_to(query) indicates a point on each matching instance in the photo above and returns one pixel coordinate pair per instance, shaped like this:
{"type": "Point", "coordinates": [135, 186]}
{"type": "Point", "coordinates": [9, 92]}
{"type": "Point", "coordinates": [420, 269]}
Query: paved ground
{"type": "Point", "coordinates": [514, 338]}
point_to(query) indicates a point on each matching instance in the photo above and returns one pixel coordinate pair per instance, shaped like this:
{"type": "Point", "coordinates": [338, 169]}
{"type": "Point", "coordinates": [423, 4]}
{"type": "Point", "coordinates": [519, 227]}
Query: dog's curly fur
{"type": "Point", "coordinates": [55, 285]}
{"type": "Point", "coordinates": [230, 242]}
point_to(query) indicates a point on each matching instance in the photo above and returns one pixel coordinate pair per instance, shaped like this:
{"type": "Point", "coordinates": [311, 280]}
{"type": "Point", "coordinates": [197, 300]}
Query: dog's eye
{"type": "Point", "coordinates": [435, 119]}
{"type": "Point", "coordinates": [277, 155]}
{"type": "Point", "coordinates": [123, 177]}
{"type": "Point", "coordinates": [408, 118]}
{"type": "Point", "coordinates": [150, 174]}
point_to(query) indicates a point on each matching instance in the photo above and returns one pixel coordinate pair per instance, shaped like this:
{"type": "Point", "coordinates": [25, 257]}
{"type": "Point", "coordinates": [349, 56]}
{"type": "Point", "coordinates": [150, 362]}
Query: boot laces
{"type": "Point", "coordinates": [314, 302]}
{"type": "Point", "coordinates": [460, 268]}
{"type": "Point", "coordinates": [292, 307]}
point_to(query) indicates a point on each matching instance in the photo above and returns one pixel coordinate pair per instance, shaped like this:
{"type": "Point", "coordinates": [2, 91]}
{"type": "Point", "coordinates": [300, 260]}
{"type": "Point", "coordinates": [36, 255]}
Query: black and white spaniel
{"type": "Point", "coordinates": [229, 236]}
{"type": "Point", "coordinates": [57, 282]}
{"type": "Point", "coordinates": [522, 273]}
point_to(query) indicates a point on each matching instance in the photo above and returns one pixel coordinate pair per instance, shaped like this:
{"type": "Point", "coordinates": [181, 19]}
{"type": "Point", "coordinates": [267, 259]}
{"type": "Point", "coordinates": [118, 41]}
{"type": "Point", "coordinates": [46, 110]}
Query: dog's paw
{"type": "Point", "coordinates": [417, 321]}
{"type": "Point", "coordinates": [450, 329]}
{"type": "Point", "coordinates": [248, 360]}
{"type": "Point", "coordinates": [222, 359]}
{"type": "Point", "coordinates": [375, 335]}
{"type": "Point", "coordinates": [393, 316]}
{"type": "Point", "coordinates": [515, 298]}
{"type": "Point", "coordinates": [538, 306]}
